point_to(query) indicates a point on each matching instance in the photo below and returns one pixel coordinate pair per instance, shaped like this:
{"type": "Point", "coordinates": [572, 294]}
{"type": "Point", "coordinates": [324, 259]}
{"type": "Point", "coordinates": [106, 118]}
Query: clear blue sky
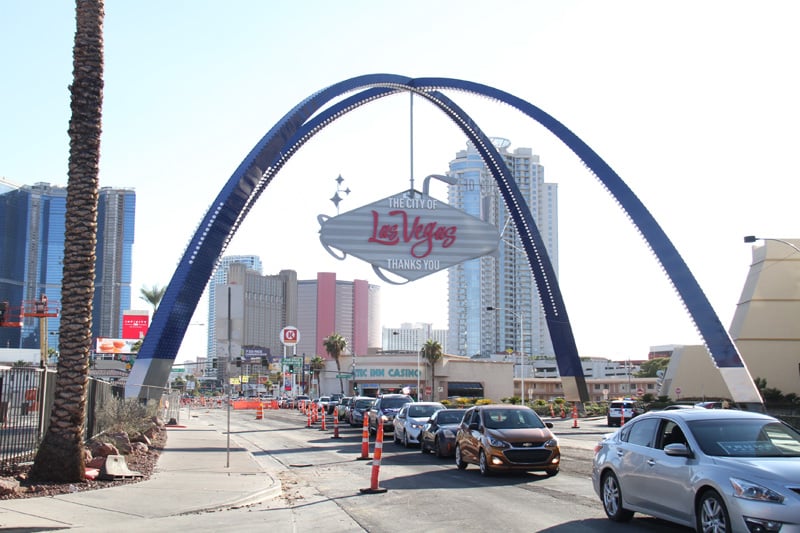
{"type": "Point", "coordinates": [694, 104]}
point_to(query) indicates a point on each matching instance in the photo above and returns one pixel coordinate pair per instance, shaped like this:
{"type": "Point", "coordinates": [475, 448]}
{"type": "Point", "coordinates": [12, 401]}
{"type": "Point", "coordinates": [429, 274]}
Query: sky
{"type": "Point", "coordinates": [694, 104]}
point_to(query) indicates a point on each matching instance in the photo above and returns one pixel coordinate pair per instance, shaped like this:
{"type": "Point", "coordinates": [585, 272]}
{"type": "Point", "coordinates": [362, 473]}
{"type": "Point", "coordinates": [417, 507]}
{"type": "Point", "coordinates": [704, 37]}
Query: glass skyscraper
{"type": "Point", "coordinates": [32, 222]}
{"type": "Point", "coordinates": [502, 280]}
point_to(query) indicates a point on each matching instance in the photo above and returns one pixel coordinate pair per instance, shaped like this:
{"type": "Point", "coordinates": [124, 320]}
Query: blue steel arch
{"type": "Point", "coordinates": [263, 162]}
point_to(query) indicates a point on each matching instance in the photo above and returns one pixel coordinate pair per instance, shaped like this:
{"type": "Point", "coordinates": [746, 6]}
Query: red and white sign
{"type": "Point", "coordinates": [290, 336]}
{"type": "Point", "coordinates": [135, 324]}
{"type": "Point", "coordinates": [409, 234]}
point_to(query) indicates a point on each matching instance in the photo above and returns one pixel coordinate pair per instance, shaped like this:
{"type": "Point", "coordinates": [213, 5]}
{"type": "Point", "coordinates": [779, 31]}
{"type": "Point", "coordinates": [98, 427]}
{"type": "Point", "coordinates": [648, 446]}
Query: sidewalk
{"type": "Point", "coordinates": [191, 476]}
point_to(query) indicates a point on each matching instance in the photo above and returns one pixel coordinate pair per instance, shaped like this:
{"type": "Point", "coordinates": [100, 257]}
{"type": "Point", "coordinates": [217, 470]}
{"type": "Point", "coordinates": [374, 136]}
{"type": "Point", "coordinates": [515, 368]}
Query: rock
{"type": "Point", "coordinates": [96, 462]}
{"type": "Point", "coordinates": [139, 447]}
{"type": "Point", "coordinates": [103, 449]}
{"type": "Point", "coordinates": [121, 441]}
{"type": "Point", "coordinates": [8, 486]}
{"type": "Point", "coordinates": [142, 438]}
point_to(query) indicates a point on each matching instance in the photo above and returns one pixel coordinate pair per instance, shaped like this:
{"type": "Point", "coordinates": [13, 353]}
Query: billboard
{"type": "Point", "coordinates": [107, 345]}
{"type": "Point", "coordinates": [135, 324]}
{"type": "Point", "coordinates": [409, 234]}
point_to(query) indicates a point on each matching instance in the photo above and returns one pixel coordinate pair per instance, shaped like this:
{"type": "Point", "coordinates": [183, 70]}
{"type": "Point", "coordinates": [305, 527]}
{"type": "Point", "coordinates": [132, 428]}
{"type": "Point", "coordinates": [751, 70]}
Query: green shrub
{"type": "Point", "coordinates": [128, 415]}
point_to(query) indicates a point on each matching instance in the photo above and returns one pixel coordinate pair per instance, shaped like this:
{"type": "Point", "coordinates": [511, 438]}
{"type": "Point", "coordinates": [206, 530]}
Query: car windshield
{"type": "Point", "coordinates": [511, 418]}
{"type": "Point", "coordinates": [422, 411]}
{"type": "Point", "coordinates": [746, 438]}
{"type": "Point", "coordinates": [449, 417]}
{"type": "Point", "coordinates": [363, 404]}
{"type": "Point", "coordinates": [393, 403]}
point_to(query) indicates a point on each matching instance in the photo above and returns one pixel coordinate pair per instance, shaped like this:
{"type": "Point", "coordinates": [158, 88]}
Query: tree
{"type": "Point", "coordinates": [335, 345]}
{"type": "Point", "coordinates": [317, 365]}
{"type": "Point", "coordinates": [650, 368]}
{"type": "Point", "coordinates": [153, 295]}
{"type": "Point", "coordinates": [60, 456]}
{"type": "Point", "coordinates": [432, 353]}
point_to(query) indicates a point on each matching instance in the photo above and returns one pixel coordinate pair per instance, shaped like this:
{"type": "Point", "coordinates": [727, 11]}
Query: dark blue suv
{"type": "Point", "coordinates": [386, 408]}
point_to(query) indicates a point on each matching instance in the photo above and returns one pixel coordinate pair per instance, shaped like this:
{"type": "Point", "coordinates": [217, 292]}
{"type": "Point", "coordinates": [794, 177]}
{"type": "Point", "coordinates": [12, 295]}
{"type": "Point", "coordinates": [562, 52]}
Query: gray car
{"type": "Point", "coordinates": [711, 469]}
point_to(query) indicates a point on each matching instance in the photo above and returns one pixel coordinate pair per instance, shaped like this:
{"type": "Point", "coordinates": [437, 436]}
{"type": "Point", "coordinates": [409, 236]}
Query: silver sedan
{"type": "Point", "coordinates": [713, 470]}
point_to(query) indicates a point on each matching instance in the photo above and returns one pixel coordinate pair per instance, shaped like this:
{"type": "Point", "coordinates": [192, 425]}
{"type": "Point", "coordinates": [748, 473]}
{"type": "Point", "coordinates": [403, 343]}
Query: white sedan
{"type": "Point", "coordinates": [409, 421]}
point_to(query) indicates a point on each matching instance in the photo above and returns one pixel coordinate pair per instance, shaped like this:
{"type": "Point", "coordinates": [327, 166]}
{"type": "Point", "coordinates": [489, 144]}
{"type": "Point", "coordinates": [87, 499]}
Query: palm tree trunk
{"type": "Point", "coordinates": [60, 455]}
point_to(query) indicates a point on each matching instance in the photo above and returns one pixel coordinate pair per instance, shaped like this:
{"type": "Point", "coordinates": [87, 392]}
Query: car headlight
{"type": "Point", "coordinates": [497, 443]}
{"type": "Point", "coordinates": [551, 443]}
{"type": "Point", "coordinates": [415, 426]}
{"type": "Point", "coordinates": [753, 491]}
{"type": "Point", "coordinates": [385, 418]}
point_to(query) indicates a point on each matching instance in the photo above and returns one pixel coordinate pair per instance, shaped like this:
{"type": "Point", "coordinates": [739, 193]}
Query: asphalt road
{"type": "Point", "coordinates": [324, 484]}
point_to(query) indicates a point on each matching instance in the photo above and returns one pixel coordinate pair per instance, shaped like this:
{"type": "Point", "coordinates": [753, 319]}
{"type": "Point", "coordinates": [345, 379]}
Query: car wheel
{"type": "Point", "coordinates": [484, 464]}
{"type": "Point", "coordinates": [422, 446]}
{"type": "Point", "coordinates": [437, 448]}
{"type": "Point", "coordinates": [459, 460]}
{"type": "Point", "coordinates": [612, 499]}
{"type": "Point", "coordinates": [405, 439]}
{"type": "Point", "coordinates": [395, 440]}
{"type": "Point", "coordinates": [712, 516]}
{"type": "Point", "coordinates": [551, 472]}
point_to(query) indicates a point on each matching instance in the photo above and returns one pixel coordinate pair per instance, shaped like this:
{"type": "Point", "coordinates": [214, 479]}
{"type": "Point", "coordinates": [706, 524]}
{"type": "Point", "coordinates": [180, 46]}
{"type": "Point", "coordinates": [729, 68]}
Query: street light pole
{"type": "Point", "coordinates": [753, 238]}
{"type": "Point", "coordinates": [521, 346]}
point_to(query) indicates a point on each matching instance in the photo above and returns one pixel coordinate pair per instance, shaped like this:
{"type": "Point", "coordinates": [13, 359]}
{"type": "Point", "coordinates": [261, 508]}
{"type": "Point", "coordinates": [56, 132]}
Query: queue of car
{"type": "Point", "coordinates": [701, 466]}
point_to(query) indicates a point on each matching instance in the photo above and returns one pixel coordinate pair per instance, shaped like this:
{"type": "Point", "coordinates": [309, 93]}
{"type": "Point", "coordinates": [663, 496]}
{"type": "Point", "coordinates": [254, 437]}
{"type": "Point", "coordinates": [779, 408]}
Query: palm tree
{"type": "Point", "coordinates": [335, 345]}
{"type": "Point", "coordinates": [153, 295]}
{"type": "Point", "coordinates": [60, 456]}
{"type": "Point", "coordinates": [432, 353]}
{"type": "Point", "coordinates": [317, 365]}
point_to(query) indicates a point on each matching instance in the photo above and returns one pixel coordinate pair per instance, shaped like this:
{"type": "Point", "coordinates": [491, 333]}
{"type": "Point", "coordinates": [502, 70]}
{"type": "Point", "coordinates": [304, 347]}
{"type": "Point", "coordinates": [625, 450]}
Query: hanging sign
{"type": "Point", "coordinates": [409, 234]}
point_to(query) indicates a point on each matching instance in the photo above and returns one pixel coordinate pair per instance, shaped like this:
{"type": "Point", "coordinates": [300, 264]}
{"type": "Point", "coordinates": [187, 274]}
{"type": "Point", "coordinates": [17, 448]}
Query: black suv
{"type": "Point", "coordinates": [386, 408]}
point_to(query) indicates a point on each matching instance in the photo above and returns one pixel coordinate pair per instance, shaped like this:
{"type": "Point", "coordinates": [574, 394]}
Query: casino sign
{"type": "Point", "coordinates": [409, 234]}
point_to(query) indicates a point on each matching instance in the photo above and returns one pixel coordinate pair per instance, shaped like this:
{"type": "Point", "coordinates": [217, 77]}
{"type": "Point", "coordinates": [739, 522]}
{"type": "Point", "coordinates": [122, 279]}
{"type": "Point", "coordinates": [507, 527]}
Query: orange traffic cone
{"type": "Point", "coordinates": [322, 416]}
{"type": "Point", "coordinates": [574, 416]}
{"type": "Point", "coordinates": [336, 423]}
{"type": "Point", "coordinates": [376, 463]}
{"type": "Point", "coordinates": [259, 411]}
{"type": "Point", "coordinates": [364, 439]}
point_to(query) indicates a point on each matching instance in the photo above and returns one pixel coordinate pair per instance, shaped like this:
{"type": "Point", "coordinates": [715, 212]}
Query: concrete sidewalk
{"type": "Point", "coordinates": [194, 473]}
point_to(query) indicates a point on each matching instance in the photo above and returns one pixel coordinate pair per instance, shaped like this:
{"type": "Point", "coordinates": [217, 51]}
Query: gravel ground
{"type": "Point", "coordinates": [144, 463]}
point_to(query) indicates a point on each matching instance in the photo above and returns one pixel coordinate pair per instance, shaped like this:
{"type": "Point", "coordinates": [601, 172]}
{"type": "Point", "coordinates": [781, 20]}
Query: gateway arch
{"type": "Point", "coordinates": [289, 134]}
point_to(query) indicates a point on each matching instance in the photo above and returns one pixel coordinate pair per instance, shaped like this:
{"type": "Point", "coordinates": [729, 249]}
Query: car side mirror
{"type": "Point", "coordinates": [677, 449]}
{"type": "Point", "coordinates": [474, 425]}
{"type": "Point", "coordinates": [548, 425]}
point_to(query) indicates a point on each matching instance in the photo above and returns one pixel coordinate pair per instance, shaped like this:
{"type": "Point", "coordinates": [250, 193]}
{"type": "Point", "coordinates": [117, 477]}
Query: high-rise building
{"type": "Point", "coordinates": [504, 279]}
{"type": "Point", "coordinates": [220, 277]}
{"type": "Point", "coordinates": [412, 337]}
{"type": "Point", "coordinates": [32, 222]}
{"type": "Point", "coordinates": [327, 305]}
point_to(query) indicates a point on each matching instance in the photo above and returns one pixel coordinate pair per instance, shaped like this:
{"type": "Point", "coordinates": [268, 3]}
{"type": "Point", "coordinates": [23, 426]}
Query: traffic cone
{"type": "Point", "coordinates": [364, 439]}
{"type": "Point", "coordinates": [322, 417]}
{"type": "Point", "coordinates": [259, 411]}
{"type": "Point", "coordinates": [336, 423]}
{"type": "Point", "coordinates": [308, 424]}
{"type": "Point", "coordinates": [552, 412]}
{"type": "Point", "coordinates": [574, 416]}
{"type": "Point", "coordinates": [376, 463]}
{"type": "Point", "coordinates": [563, 414]}
{"type": "Point", "coordinates": [622, 417]}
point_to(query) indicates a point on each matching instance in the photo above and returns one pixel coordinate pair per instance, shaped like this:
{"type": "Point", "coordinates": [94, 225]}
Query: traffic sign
{"type": "Point", "coordinates": [295, 361]}
{"type": "Point", "coordinates": [344, 376]}
{"type": "Point", "coordinates": [639, 391]}
{"type": "Point", "coordinates": [290, 336]}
